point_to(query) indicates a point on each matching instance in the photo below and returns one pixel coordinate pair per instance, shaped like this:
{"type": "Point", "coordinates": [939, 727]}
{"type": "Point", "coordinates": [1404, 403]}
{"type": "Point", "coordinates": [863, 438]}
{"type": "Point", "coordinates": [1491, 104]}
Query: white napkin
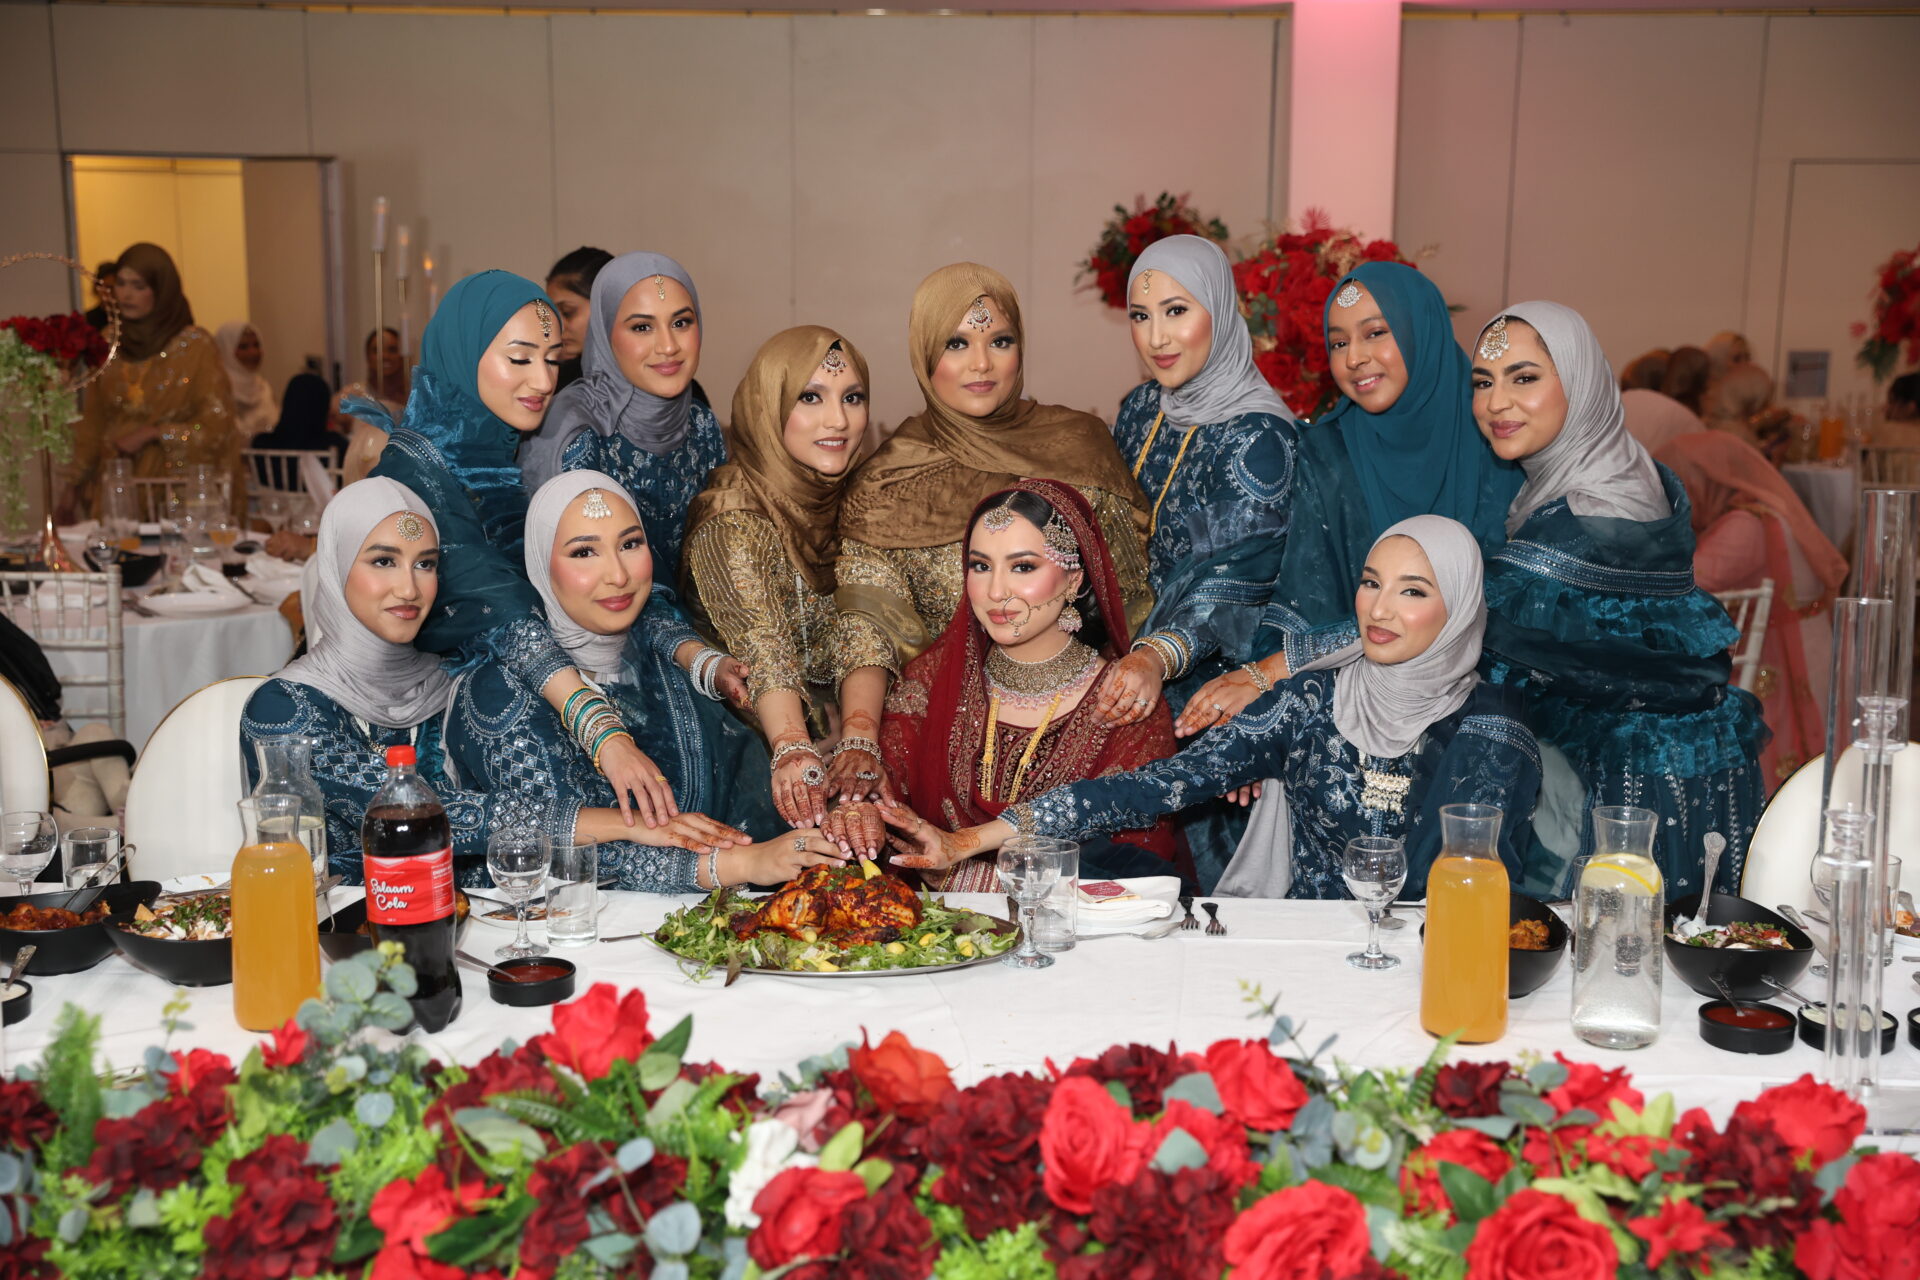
{"type": "Point", "coordinates": [204, 580]}
{"type": "Point", "coordinates": [1152, 899]}
{"type": "Point", "coordinates": [69, 595]}
{"type": "Point", "coordinates": [272, 578]}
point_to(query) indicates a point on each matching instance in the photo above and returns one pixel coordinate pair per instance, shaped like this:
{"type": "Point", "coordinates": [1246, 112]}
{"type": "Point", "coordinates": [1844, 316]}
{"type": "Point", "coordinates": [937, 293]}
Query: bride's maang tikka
{"type": "Point", "coordinates": [1058, 543]}
{"type": "Point", "coordinates": [833, 361]}
{"type": "Point", "coordinates": [978, 317]}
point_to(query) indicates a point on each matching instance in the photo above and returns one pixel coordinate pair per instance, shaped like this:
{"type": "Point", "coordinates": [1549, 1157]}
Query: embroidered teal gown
{"type": "Point", "coordinates": [662, 484]}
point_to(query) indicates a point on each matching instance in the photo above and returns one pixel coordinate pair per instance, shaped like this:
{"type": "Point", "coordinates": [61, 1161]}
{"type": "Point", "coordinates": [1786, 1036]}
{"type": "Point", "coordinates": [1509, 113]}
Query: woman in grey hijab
{"type": "Point", "coordinates": [1372, 748]}
{"type": "Point", "coordinates": [1593, 611]}
{"type": "Point", "coordinates": [637, 413]}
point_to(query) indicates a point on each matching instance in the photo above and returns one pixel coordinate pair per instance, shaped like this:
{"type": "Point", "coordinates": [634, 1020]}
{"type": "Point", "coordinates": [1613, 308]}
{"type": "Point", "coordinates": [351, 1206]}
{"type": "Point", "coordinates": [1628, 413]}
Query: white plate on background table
{"type": "Point", "coordinates": [486, 902]}
{"type": "Point", "coordinates": [194, 604]}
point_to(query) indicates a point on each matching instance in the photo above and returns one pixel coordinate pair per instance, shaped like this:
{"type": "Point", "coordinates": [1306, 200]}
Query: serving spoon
{"type": "Point", "coordinates": [21, 958]}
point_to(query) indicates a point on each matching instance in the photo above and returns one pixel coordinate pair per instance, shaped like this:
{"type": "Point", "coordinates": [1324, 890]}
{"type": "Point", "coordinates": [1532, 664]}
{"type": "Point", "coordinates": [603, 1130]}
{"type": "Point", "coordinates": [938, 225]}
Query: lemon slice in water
{"type": "Point", "coordinates": [1632, 874]}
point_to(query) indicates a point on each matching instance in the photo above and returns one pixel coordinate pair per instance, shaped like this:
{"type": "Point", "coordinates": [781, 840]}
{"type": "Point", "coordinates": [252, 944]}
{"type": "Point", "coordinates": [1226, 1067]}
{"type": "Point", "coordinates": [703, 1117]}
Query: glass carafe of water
{"type": "Point", "coordinates": [286, 769]}
{"type": "Point", "coordinates": [1618, 944]}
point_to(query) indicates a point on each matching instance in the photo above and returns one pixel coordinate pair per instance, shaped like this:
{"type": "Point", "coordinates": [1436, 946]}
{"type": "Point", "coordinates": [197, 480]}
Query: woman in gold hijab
{"type": "Point", "coordinates": [164, 402]}
{"type": "Point", "coordinates": [759, 560]}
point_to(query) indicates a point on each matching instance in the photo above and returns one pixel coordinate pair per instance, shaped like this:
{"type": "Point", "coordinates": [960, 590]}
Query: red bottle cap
{"type": "Point", "coordinates": [397, 756]}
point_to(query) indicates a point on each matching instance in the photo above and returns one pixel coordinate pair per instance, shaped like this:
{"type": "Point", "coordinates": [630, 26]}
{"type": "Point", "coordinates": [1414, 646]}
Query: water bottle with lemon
{"type": "Point", "coordinates": [1618, 948]}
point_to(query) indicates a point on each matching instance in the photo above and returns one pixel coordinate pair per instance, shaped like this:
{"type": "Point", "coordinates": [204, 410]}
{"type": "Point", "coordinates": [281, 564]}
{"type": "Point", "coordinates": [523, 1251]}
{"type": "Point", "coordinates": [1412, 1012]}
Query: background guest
{"type": "Point", "coordinates": [254, 407]}
{"type": "Point", "coordinates": [1689, 371]}
{"type": "Point", "coordinates": [1646, 371]}
{"type": "Point", "coordinates": [570, 285]}
{"type": "Point", "coordinates": [1903, 398]}
{"type": "Point", "coordinates": [1653, 417]}
{"type": "Point", "coordinates": [365, 438]}
{"type": "Point", "coordinates": [102, 289]}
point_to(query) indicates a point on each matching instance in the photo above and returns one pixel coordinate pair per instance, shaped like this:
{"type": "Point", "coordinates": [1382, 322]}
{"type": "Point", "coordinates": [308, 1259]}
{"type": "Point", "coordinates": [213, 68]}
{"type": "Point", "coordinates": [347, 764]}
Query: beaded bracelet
{"type": "Point", "coordinates": [713, 867]}
{"type": "Point", "coordinates": [585, 713]}
{"type": "Point", "coordinates": [707, 672]}
{"type": "Point", "coordinates": [572, 703]}
{"type": "Point", "coordinates": [1259, 677]}
{"type": "Point", "coordinates": [802, 747]}
{"type": "Point", "coordinates": [611, 734]}
{"type": "Point", "coordinates": [867, 745]}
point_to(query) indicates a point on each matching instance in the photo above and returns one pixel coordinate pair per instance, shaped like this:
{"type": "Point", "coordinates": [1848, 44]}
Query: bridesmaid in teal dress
{"type": "Point", "coordinates": [1594, 613]}
{"type": "Point", "coordinates": [1212, 445]}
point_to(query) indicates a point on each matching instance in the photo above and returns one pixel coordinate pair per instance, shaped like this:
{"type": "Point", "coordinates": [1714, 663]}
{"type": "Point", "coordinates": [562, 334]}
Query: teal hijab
{"type": "Point", "coordinates": [1423, 456]}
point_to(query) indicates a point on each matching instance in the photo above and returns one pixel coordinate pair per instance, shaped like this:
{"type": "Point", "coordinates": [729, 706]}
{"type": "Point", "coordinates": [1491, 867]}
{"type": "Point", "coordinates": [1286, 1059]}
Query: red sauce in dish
{"type": "Point", "coordinates": [1749, 1017]}
{"type": "Point", "coordinates": [530, 973]}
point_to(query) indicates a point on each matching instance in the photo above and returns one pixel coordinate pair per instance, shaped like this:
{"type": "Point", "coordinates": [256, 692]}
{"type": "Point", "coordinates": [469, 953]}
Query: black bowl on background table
{"type": "Point", "coordinates": [136, 568]}
{"type": "Point", "coordinates": [84, 946]}
{"type": "Point", "coordinates": [1770, 1031]}
{"type": "Point", "coordinates": [340, 936]}
{"type": "Point", "coordinates": [1913, 1027]}
{"type": "Point", "coordinates": [1528, 971]}
{"type": "Point", "coordinates": [16, 1009]}
{"type": "Point", "coordinates": [1813, 1030]}
{"type": "Point", "coordinates": [536, 986]}
{"type": "Point", "coordinates": [1742, 970]}
{"type": "Point", "coordinates": [185, 962]}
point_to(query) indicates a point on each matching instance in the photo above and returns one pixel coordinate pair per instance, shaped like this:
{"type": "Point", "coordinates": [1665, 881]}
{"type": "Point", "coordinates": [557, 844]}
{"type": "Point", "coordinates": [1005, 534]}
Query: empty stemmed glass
{"type": "Point", "coordinates": [518, 862]}
{"type": "Point", "coordinates": [1028, 868]}
{"type": "Point", "coordinates": [28, 839]}
{"type": "Point", "coordinates": [1374, 867]}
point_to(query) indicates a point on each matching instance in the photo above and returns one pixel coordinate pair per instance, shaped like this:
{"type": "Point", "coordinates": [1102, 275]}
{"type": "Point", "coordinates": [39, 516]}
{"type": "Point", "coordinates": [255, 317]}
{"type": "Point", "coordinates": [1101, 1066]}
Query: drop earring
{"type": "Point", "coordinates": [1069, 619]}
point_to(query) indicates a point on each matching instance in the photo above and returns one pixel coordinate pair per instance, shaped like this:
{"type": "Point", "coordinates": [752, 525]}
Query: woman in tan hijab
{"type": "Point", "coordinates": [759, 562]}
{"type": "Point", "coordinates": [164, 401]}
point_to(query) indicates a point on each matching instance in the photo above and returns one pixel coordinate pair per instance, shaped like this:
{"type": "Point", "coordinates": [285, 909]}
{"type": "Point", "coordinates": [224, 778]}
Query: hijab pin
{"type": "Point", "coordinates": [833, 361]}
{"type": "Point", "coordinates": [410, 526]}
{"type": "Point", "coordinates": [978, 317]}
{"type": "Point", "coordinates": [1348, 295]}
{"type": "Point", "coordinates": [660, 287]}
{"type": "Point", "coordinates": [595, 507]}
{"type": "Point", "coordinates": [1493, 343]}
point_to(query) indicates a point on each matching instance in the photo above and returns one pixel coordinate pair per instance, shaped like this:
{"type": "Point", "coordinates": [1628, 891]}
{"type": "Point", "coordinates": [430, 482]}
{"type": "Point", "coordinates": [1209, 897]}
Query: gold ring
{"type": "Point", "coordinates": [659, 777]}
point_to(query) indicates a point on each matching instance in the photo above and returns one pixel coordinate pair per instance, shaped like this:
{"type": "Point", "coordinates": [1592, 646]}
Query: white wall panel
{"type": "Point", "coordinates": [33, 220]}
{"type": "Point", "coordinates": [26, 78]}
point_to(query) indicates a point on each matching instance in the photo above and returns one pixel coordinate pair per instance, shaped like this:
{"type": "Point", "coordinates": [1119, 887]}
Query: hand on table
{"type": "Point", "coordinates": [1132, 688]}
{"type": "Point", "coordinates": [691, 831]}
{"type": "Point", "coordinates": [799, 789]}
{"type": "Point", "coordinates": [858, 828]}
{"type": "Point", "coordinates": [930, 848]}
{"type": "Point", "coordinates": [638, 783]}
{"type": "Point", "coordinates": [859, 775]}
{"type": "Point", "coordinates": [780, 859]}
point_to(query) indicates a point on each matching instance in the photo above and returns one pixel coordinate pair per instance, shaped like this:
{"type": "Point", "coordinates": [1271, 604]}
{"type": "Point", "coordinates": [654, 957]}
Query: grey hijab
{"type": "Point", "coordinates": [603, 400]}
{"type": "Point", "coordinates": [1229, 384]}
{"type": "Point", "coordinates": [1594, 463]}
{"type": "Point", "coordinates": [392, 685]}
{"type": "Point", "coordinates": [1383, 710]}
{"type": "Point", "coordinates": [595, 654]}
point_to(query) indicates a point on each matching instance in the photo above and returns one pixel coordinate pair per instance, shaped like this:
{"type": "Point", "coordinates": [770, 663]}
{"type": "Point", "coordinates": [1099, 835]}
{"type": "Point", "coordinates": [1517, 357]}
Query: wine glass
{"type": "Point", "coordinates": [518, 862]}
{"type": "Point", "coordinates": [28, 839]}
{"type": "Point", "coordinates": [273, 509]}
{"type": "Point", "coordinates": [1028, 868]}
{"type": "Point", "coordinates": [1374, 868]}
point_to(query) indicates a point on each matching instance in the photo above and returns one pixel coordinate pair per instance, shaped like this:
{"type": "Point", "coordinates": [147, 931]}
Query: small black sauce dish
{"type": "Point", "coordinates": [17, 1009]}
{"type": "Point", "coordinates": [1813, 1031]}
{"type": "Point", "coordinates": [538, 987]}
{"type": "Point", "coordinates": [1733, 1038]}
{"type": "Point", "coordinates": [1913, 1027]}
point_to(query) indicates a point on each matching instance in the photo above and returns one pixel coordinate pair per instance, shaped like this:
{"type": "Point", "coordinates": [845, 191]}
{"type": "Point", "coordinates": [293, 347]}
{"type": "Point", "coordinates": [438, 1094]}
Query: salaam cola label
{"type": "Point", "coordinates": [412, 890]}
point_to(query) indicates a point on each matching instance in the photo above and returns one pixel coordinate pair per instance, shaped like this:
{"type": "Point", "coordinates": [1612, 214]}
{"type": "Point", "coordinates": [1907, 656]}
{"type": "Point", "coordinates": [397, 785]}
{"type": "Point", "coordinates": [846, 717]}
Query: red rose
{"type": "Point", "coordinates": [984, 1142]}
{"type": "Point", "coordinates": [25, 1118]}
{"type": "Point", "coordinates": [1223, 1138]}
{"type": "Point", "coordinates": [1256, 1085]}
{"type": "Point", "coordinates": [524, 1072]}
{"type": "Point", "coordinates": [1681, 1227]}
{"type": "Point", "coordinates": [199, 1065]}
{"type": "Point", "coordinates": [1420, 1173]}
{"type": "Point", "coordinates": [1879, 1209]}
{"type": "Point", "coordinates": [1160, 1225]}
{"type": "Point", "coordinates": [1588, 1087]}
{"type": "Point", "coordinates": [26, 1257]}
{"type": "Point", "coordinates": [1309, 1232]}
{"type": "Point", "coordinates": [907, 1081]}
{"type": "Point", "coordinates": [1630, 1156]}
{"type": "Point", "coordinates": [1810, 1116]}
{"type": "Point", "coordinates": [408, 1212]}
{"type": "Point", "coordinates": [597, 1030]}
{"type": "Point", "coordinates": [887, 1238]}
{"type": "Point", "coordinates": [1469, 1090]}
{"type": "Point", "coordinates": [1748, 1163]}
{"type": "Point", "coordinates": [1537, 1236]}
{"type": "Point", "coordinates": [288, 1047]}
{"type": "Point", "coordinates": [1088, 1141]}
{"type": "Point", "coordinates": [284, 1223]}
{"type": "Point", "coordinates": [1145, 1071]}
{"type": "Point", "coordinates": [157, 1147]}
{"type": "Point", "coordinates": [802, 1215]}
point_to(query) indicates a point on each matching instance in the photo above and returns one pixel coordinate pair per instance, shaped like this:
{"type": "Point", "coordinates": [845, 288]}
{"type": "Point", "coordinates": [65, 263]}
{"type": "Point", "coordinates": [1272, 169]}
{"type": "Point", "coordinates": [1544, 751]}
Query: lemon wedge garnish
{"type": "Point", "coordinates": [1629, 873]}
{"type": "Point", "coordinates": [867, 868]}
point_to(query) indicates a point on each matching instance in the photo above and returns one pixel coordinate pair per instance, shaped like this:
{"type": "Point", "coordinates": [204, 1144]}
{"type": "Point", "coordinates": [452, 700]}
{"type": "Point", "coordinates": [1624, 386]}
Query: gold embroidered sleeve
{"type": "Point", "coordinates": [742, 588]}
{"type": "Point", "coordinates": [1128, 546]}
{"type": "Point", "coordinates": [874, 594]}
{"type": "Point", "coordinates": [862, 644]}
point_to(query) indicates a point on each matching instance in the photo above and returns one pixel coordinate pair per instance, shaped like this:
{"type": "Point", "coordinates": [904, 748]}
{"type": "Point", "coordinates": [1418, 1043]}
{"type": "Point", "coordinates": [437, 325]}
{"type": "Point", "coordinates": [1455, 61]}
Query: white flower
{"type": "Point", "coordinates": [772, 1146]}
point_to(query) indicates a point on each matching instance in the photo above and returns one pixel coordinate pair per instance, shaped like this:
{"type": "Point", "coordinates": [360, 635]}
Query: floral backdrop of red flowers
{"type": "Point", "coordinates": [1894, 333]}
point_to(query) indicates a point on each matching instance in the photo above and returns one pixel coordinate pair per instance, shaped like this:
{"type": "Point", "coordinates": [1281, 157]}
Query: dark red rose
{"type": "Point", "coordinates": [1088, 1141]}
{"type": "Point", "coordinates": [650, 1188]}
{"type": "Point", "coordinates": [157, 1147]}
{"type": "Point", "coordinates": [1588, 1087]}
{"type": "Point", "coordinates": [560, 1223]}
{"type": "Point", "coordinates": [1470, 1090]}
{"type": "Point", "coordinates": [597, 1030]}
{"type": "Point", "coordinates": [1680, 1228]}
{"type": "Point", "coordinates": [889, 1137]}
{"type": "Point", "coordinates": [497, 1073]}
{"type": "Point", "coordinates": [26, 1257]}
{"type": "Point", "coordinates": [1420, 1173]}
{"type": "Point", "coordinates": [1537, 1236]}
{"type": "Point", "coordinates": [284, 1225]}
{"type": "Point", "coordinates": [1145, 1071]}
{"type": "Point", "coordinates": [1257, 1085]}
{"type": "Point", "coordinates": [1309, 1232]}
{"type": "Point", "coordinates": [1165, 1226]}
{"type": "Point", "coordinates": [803, 1213]}
{"type": "Point", "coordinates": [1879, 1208]}
{"type": "Point", "coordinates": [1748, 1163]}
{"type": "Point", "coordinates": [1223, 1138]}
{"type": "Point", "coordinates": [985, 1142]}
{"type": "Point", "coordinates": [25, 1118]}
{"type": "Point", "coordinates": [1810, 1116]}
{"type": "Point", "coordinates": [907, 1081]}
{"type": "Point", "coordinates": [887, 1237]}
{"type": "Point", "coordinates": [281, 1156]}
{"type": "Point", "coordinates": [1630, 1156]}
{"type": "Point", "coordinates": [743, 1095]}
{"type": "Point", "coordinates": [288, 1047]}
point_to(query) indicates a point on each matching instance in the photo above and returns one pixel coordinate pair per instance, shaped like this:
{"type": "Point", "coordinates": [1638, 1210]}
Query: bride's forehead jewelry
{"type": "Point", "coordinates": [660, 287]}
{"type": "Point", "coordinates": [999, 518]}
{"type": "Point", "coordinates": [978, 317]}
{"type": "Point", "coordinates": [1348, 296]}
{"type": "Point", "coordinates": [833, 361]}
{"type": "Point", "coordinates": [410, 527]}
{"type": "Point", "coordinates": [545, 316]}
{"type": "Point", "coordinates": [1493, 343]}
{"type": "Point", "coordinates": [596, 507]}
{"type": "Point", "coordinates": [1061, 546]}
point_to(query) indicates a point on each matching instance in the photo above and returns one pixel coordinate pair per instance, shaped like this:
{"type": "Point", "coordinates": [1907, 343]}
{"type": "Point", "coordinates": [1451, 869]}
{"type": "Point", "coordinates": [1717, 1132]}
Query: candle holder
{"type": "Point", "coordinates": [1852, 1047]}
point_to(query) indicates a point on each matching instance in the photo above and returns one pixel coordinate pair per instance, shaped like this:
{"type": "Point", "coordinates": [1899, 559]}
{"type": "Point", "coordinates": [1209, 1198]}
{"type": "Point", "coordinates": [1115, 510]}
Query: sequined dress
{"type": "Point", "coordinates": [662, 484]}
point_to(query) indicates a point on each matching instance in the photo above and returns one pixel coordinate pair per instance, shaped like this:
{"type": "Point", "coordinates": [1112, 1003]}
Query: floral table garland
{"type": "Point", "coordinates": [595, 1150]}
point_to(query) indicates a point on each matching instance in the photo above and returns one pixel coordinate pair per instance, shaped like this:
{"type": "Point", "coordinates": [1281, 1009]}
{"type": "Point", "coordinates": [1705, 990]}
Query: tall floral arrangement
{"type": "Point", "coordinates": [1129, 232]}
{"type": "Point", "coordinates": [1896, 317]}
{"type": "Point", "coordinates": [1283, 289]}
{"type": "Point", "coordinates": [597, 1150]}
{"type": "Point", "coordinates": [42, 359]}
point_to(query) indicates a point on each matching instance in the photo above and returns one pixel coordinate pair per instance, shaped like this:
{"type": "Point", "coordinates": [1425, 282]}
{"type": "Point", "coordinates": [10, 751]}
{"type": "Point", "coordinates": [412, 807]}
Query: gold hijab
{"type": "Point", "coordinates": [148, 336]}
{"type": "Point", "coordinates": [760, 475]}
{"type": "Point", "coordinates": [915, 491]}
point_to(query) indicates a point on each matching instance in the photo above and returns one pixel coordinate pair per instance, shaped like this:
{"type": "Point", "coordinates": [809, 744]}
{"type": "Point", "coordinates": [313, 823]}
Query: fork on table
{"type": "Point", "coordinates": [1186, 905]}
{"type": "Point", "coordinates": [1214, 928]}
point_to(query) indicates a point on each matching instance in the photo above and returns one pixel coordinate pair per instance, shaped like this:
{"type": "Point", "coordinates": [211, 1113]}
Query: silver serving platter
{"type": "Point", "coordinates": [1000, 926]}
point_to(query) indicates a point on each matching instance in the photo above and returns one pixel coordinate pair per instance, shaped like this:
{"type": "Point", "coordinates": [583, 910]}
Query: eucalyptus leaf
{"type": "Point", "coordinates": [6, 1231]}
{"type": "Point", "coordinates": [1179, 1150]}
{"type": "Point", "coordinates": [1324, 1046]}
{"type": "Point", "coordinates": [1526, 1108]}
{"type": "Point", "coordinates": [402, 981]}
{"type": "Point", "coordinates": [675, 1270]}
{"type": "Point", "coordinates": [1546, 1076]}
{"type": "Point", "coordinates": [143, 1211]}
{"type": "Point", "coordinates": [73, 1224]}
{"type": "Point", "coordinates": [674, 1231]}
{"type": "Point", "coordinates": [119, 1104]}
{"type": "Point", "coordinates": [671, 1102]}
{"type": "Point", "coordinates": [1282, 1030]}
{"type": "Point", "coordinates": [1499, 1128]}
{"type": "Point", "coordinates": [307, 1017]}
{"type": "Point", "coordinates": [13, 1175]}
{"type": "Point", "coordinates": [657, 1070]}
{"type": "Point", "coordinates": [1346, 1128]}
{"type": "Point", "coordinates": [1198, 1090]}
{"type": "Point", "coordinates": [333, 1143]}
{"type": "Point", "coordinates": [351, 982]}
{"type": "Point", "coordinates": [374, 1110]}
{"type": "Point", "coordinates": [1316, 1118]}
{"type": "Point", "coordinates": [1120, 1095]}
{"type": "Point", "coordinates": [389, 1010]}
{"type": "Point", "coordinates": [159, 1061]}
{"type": "Point", "coordinates": [352, 1066]}
{"type": "Point", "coordinates": [498, 1133]}
{"type": "Point", "coordinates": [633, 1154]}
{"type": "Point", "coordinates": [610, 1250]}
{"type": "Point", "coordinates": [842, 1151]}
{"type": "Point", "coordinates": [1833, 1175]}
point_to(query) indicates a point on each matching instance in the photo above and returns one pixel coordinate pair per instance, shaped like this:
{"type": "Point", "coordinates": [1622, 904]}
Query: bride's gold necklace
{"type": "Point", "coordinates": [1024, 684]}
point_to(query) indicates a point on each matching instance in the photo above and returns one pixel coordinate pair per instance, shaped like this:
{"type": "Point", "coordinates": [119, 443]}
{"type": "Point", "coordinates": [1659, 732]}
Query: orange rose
{"type": "Point", "coordinates": [907, 1081]}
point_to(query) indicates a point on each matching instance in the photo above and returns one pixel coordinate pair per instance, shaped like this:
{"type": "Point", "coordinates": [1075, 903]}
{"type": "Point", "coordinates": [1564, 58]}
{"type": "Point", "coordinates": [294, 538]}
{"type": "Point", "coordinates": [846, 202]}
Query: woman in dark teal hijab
{"type": "Point", "coordinates": [488, 363]}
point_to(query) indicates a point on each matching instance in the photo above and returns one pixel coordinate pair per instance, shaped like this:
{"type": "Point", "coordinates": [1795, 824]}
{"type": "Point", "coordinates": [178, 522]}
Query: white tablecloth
{"type": "Point", "coordinates": [1832, 495]}
{"type": "Point", "coordinates": [1183, 988]}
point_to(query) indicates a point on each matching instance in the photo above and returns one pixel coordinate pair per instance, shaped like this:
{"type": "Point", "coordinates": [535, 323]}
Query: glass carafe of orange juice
{"type": "Point", "coordinates": [276, 938]}
{"type": "Point", "coordinates": [1463, 984]}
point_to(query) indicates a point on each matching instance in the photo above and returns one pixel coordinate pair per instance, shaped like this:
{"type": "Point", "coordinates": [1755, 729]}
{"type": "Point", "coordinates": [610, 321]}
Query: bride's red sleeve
{"type": "Point", "coordinates": [1131, 747]}
{"type": "Point", "coordinates": [902, 726]}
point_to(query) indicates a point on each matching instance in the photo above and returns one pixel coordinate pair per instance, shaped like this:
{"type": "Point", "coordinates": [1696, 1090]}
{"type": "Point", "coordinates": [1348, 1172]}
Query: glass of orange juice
{"type": "Point", "coordinates": [276, 934]}
{"type": "Point", "coordinates": [1463, 981]}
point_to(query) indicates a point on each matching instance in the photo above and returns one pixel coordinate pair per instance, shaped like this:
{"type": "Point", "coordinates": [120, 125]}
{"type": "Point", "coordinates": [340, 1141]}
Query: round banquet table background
{"type": "Point", "coordinates": [1184, 988]}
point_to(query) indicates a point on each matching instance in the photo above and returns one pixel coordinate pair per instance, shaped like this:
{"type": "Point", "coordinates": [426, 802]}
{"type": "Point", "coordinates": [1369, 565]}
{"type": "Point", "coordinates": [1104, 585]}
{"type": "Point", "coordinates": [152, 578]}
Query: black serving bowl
{"type": "Point", "coordinates": [1747, 1039]}
{"type": "Point", "coordinates": [185, 962]}
{"type": "Point", "coordinates": [340, 935]}
{"type": "Point", "coordinates": [1742, 970]}
{"type": "Point", "coordinates": [71, 950]}
{"type": "Point", "coordinates": [1814, 1034]}
{"type": "Point", "coordinates": [17, 1009]}
{"type": "Point", "coordinates": [136, 569]}
{"type": "Point", "coordinates": [529, 994]}
{"type": "Point", "coordinates": [1528, 971]}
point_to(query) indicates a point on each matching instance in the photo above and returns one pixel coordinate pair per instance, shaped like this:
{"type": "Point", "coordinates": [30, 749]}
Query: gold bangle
{"type": "Point", "coordinates": [1259, 677]}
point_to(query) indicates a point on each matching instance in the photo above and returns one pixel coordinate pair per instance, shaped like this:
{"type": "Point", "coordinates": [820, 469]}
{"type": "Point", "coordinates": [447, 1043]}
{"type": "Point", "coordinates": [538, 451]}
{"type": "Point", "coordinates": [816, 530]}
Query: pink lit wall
{"type": "Point", "coordinates": [1345, 112]}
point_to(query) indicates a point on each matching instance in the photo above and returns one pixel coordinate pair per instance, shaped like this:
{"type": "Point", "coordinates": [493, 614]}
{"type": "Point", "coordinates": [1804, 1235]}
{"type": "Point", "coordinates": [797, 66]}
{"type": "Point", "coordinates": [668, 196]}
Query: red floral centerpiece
{"type": "Point", "coordinates": [1896, 317]}
{"type": "Point", "coordinates": [1129, 232]}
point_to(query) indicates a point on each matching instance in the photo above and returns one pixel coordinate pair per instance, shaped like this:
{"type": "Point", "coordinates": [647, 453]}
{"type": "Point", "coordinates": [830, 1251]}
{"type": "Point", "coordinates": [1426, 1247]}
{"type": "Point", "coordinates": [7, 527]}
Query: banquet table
{"type": "Point", "coordinates": [1832, 495]}
{"type": "Point", "coordinates": [986, 1020]}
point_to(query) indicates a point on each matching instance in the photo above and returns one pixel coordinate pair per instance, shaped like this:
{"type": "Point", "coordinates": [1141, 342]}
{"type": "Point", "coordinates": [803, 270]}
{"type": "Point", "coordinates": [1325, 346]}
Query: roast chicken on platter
{"type": "Point", "coordinates": [839, 905]}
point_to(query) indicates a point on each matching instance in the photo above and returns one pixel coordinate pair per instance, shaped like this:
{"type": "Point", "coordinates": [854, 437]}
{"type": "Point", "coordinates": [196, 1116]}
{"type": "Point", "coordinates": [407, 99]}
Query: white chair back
{"type": "Point", "coordinates": [1748, 608]}
{"type": "Point", "coordinates": [23, 755]}
{"type": "Point", "coordinates": [82, 614]}
{"type": "Point", "coordinates": [159, 497]}
{"type": "Point", "coordinates": [1780, 858]}
{"type": "Point", "coordinates": [1889, 464]}
{"type": "Point", "coordinates": [286, 470]}
{"type": "Point", "coordinates": [180, 804]}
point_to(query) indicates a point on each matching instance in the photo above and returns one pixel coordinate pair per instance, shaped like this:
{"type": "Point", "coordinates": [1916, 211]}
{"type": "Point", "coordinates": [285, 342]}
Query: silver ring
{"type": "Point", "coordinates": [1218, 707]}
{"type": "Point", "coordinates": [1141, 702]}
{"type": "Point", "coordinates": [813, 775]}
{"type": "Point", "coordinates": [867, 775]}
{"type": "Point", "coordinates": [799, 844]}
